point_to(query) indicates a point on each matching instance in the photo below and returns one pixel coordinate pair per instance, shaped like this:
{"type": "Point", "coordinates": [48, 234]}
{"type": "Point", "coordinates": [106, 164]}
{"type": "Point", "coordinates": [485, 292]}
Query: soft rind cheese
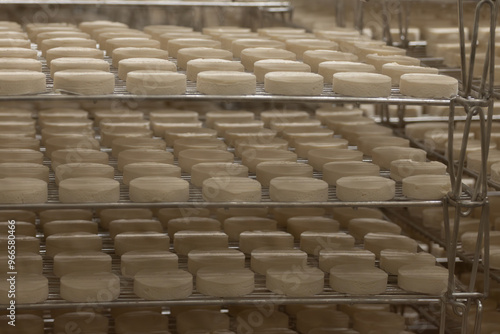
{"type": "Point", "coordinates": [358, 279]}
{"type": "Point", "coordinates": [222, 282]}
{"type": "Point", "coordinates": [293, 83]}
{"type": "Point", "coordinates": [428, 279]}
{"type": "Point", "coordinates": [298, 189]}
{"type": "Point", "coordinates": [362, 84]}
{"type": "Point", "coordinates": [428, 85]}
{"type": "Point", "coordinates": [80, 287]}
{"type": "Point", "coordinates": [365, 188]}
{"type": "Point", "coordinates": [163, 284]}
{"type": "Point", "coordinates": [295, 281]}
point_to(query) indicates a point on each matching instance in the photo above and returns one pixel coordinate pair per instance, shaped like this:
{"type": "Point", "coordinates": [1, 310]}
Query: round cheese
{"type": "Point", "coordinates": [231, 189]}
{"type": "Point", "coordinates": [298, 189]}
{"type": "Point", "coordinates": [85, 262]}
{"type": "Point", "coordinates": [222, 282]}
{"type": "Point", "coordinates": [141, 321]}
{"type": "Point", "coordinates": [84, 169]}
{"type": "Point", "coordinates": [403, 168]}
{"type": "Point", "coordinates": [174, 45]}
{"type": "Point", "coordinates": [15, 52]}
{"type": "Point", "coordinates": [266, 171]}
{"type": "Point", "coordinates": [21, 82]}
{"type": "Point", "coordinates": [89, 190]}
{"type": "Point", "coordinates": [201, 64]}
{"type": "Point", "coordinates": [304, 145]}
{"type": "Point", "coordinates": [143, 155]}
{"type": "Point", "coordinates": [132, 52]}
{"type": "Point", "coordinates": [293, 83]}
{"type": "Point", "coordinates": [150, 82]}
{"type": "Point", "coordinates": [171, 135]}
{"type": "Point", "coordinates": [26, 262]}
{"type": "Point", "coordinates": [251, 240]}
{"type": "Point", "coordinates": [190, 157]}
{"type": "Point", "coordinates": [215, 258]}
{"type": "Point", "coordinates": [362, 84]}
{"type": "Point", "coordinates": [234, 226]}
{"type": "Point", "coordinates": [72, 242]}
{"type": "Point", "coordinates": [334, 257]}
{"type": "Point", "coordinates": [82, 288]}
{"type": "Point", "coordinates": [313, 242]}
{"type": "Point", "coordinates": [333, 171]}
{"type": "Point", "coordinates": [320, 156]}
{"type": "Point", "coordinates": [68, 51]}
{"type": "Point", "coordinates": [263, 259]}
{"type": "Point", "coordinates": [205, 170]}
{"type": "Point", "coordinates": [206, 320]}
{"type": "Point", "coordinates": [134, 261]}
{"type": "Point", "coordinates": [141, 241]}
{"type": "Point", "coordinates": [188, 240]}
{"type": "Point", "coordinates": [158, 189]}
{"type": "Point", "coordinates": [328, 68]}
{"type": "Point", "coordinates": [139, 169]}
{"type": "Point", "coordinates": [393, 259]}
{"type": "Point", "coordinates": [252, 157]}
{"type": "Point", "coordinates": [85, 82]}
{"type": "Point", "coordinates": [192, 224]}
{"type": "Point", "coordinates": [226, 83]}
{"type": "Point", "coordinates": [29, 289]}
{"type": "Point", "coordinates": [377, 242]}
{"type": "Point", "coordinates": [367, 321]}
{"type": "Point", "coordinates": [239, 45]}
{"type": "Point", "coordinates": [358, 279]}
{"type": "Point", "coordinates": [310, 319]}
{"type": "Point", "coordinates": [73, 63]}
{"type": "Point", "coordinates": [315, 57]}
{"type": "Point", "coordinates": [136, 64]}
{"type": "Point", "coordinates": [23, 190]}
{"type": "Point", "coordinates": [383, 156]}
{"type": "Point", "coordinates": [428, 279]}
{"type": "Point", "coordinates": [264, 66]}
{"type": "Point", "coordinates": [124, 42]}
{"type": "Point", "coordinates": [296, 281]}
{"type": "Point", "coordinates": [199, 144]}
{"type": "Point", "coordinates": [299, 46]}
{"type": "Point", "coordinates": [24, 170]}
{"type": "Point", "coordinates": [187, 54]}
{"type": "Point", "coordinates": [426, 187]}
{"type": "Point", "coordinates": [51, 43]}
{"type": "Point", "coordinates": [299, 224]}
{"type": "Point", "coordinates": [395, 71]}
{"type": "Point", "coordinates": [428, 85]}
{"type": "Point", "coordinates": [20, 64]}
{"type": "Point", "coordinates": [379, 60]}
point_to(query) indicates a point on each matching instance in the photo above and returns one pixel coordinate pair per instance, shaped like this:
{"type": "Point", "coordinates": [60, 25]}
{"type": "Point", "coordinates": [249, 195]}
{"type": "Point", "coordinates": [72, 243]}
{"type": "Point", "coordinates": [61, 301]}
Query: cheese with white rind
{"type": "Point", "coordinates": [21, 82]}
{"type": "Point", "coordinates": [299, 45]}
{"type": "Point", "coordinates": [266, 171]}
{"type": "Point", "coordinates": [81, 262]}
{"type": "Point", "coordinates": [56, 42]}
{"type": "Point", "coordinates": [29, 289]}
{"type": "Point", "coordinates": [202, 171]}
{"type": "Point", "coordinates": [226, 83]}
{"type": "Point", "coordinates": [304, 145]}
{"type": "Point", "coordinates": [84, 169]}
{"type": "Point", "coordinates": [238, 46]}
{"type": "Point", "coordinates": [72, 242]}
{"type": "Point", "coordinates": [80, 287]}
{"type": "Point", "coordinates": [158, 189]}
{"type": "Point", "coordinates": [89, 190]}
{"type": "Point", "coordinates": [366, 144]}
{"type": "Point", "coordinates": [185, 55]}
{"type": "Point", "coordinates": [140, 169]}
{"type": "Point", "coordinates": [69, 226]}
{"type": "Point", "coordinates": [316, 57]}
{"type": "Point", "coordinates": [379, 60]}
{"type": "Point", "coordinates": [295, 281]}
{"type": "Point", "coordinates": [223, 282]}
{"type": "Point", "coordinates": [428, 279]}
{"type": "Point", "coordinates": [297, 225]}
{"type": "Point", "coordinates": [174, 45]}
{"type": "Point", "coordinates": [64, 214]}
{"type": "Point", "coordinates": [298, 189]}
{"type": "Point", "coordinates": [251, 240]}
{"type": "Point", "coordinates": [309, 319]}
{"type": "Point", "coordinates": [365, 188]}
{"type": "Point", "coordinates": [26, 263]}
{"type": "Point", "coordinates": [328, 68]}
{"type": "Point", "coordinates": [366, 321]}
{"type": "Point", "coordinates": [362, 84]}
{"type": "Point", "coordinates": [264, 66]}
{"type": "Point", "coordinates": [195, 66]}
{"type": "Point", "coordinates": [257, 146]}
{"type": "Point", "coordinates": [293, 83]}
{"type": "Point", "coordinates": [143, 155]}
{"type": "Point", "coordinates": [377, 242]}
{"type": "Point", "coordinates": [383, 156]}
{"type": "Point", "coordinates": [171, 135]}
{"type": "Point", "coordinates": [24, 243]}
{"type": "Point", "coordinates": [21, 228]}
{"type": "Point", "coordinates": [15, 52]}
{"type": "Point", "coordinates": [135, 64]}
{"type": "Point", "coordinates": [231, 189]}
{"type": "Point", "coordinates": [403, 168]}
{"type": "Point", "coordinates": [24, 170]}
{"type": "Point", "coordinates": [186, 241]}
{"type": "Point", "coordinates": [234, 226]}
{"type": "Point", "coordinates": [320, 156]}
{"type": "Point", "coordinates": [333, 171]}
{"type": "Point", "coordinates": [144, 241]}
{"type": "Point", "coordinates": [294, 135]}
{"type": "Point", "coordinates": [215, 258]}
{"type": "Point", "coordinates": [428, 85]}
{"type": "Point", "coordinates": [359, 227]}
{"type": "Point", "coordinates": [331, 258]}
{"type": "Point", "coordinates": [190, 157]}
{"type": "Point", "coordinates": [133, 52]}
{"type": "Point", "coordinates": [252, 157]}
{"type": "Point", "coordinates": [20, 64]}
{"type": "Point", "coordinates": [69, 51]}
{"type": "Point", "coordinates": [395, 71]}
{"type": "Point", "coordinates": [124, 42]}
{"type": "Point", "coordinates": [198, 143]}
{"type": "Point", "coordinates": [313, 242]}
{"type": "Point", "coordinates": [108, 215]}
{"type": "Point", "coordinates": [152, 82]}
{"type": "Point", "coordinates": [85, 81]}
{"type": "Point", "coordinates": [192, 224]}
{"type": "Point", "coordinates": [60, 143]}
{"type": "Point", "coordinates": [134, 261]}
{"type": "Point", "coordinates": [358, 279]}
{"type": "Point", "coordinates": [264, 258]}
{"type": "Point", "coordinates": [21, 190]}
{"type": "Point", "coordinates": [392, 259]}
{"type": "Point", "coordinates": [426, 187]}
{"type": "Point", "coordinates": [133, 225]}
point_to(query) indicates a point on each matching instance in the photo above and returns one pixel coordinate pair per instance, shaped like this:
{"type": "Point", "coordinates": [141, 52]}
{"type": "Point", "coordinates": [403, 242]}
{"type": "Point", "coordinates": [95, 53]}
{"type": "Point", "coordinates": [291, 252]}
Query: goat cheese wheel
{"type": "Point", "coordinates": [335, 257]}
{"type": "Point", "coordinates": [60, 143]}
{"type": "Point", "coordinates": [68, 51]}
{"type": "Point", "coordinates": [89, 190]}
{"type": "Point", "coordinates": [234, 226]}
{"type": "Point", "coordinates": [190, 157]}
{"type": "Point", "coordinates": [26, 262]}
{"type": "Point", "coordinates": [74, 63]}
{"type": "Point", "coordinates": [305, 142]}
{"type": "Point", "coordinates": [315, 57]}
{"type": "Point", "coordinates": [313, 242]}
{"type": "Point", "coordinates": [171, 135]}
{"type": "Point", "coordinates": [251, 240]}
{"type": "Point", "coordinates": [84, 169]}
{"type": "Point", "coordinates": [426, 187]}
{"type": "Point", "coordinates": [205, 170]}
{"type": "Point", "coordinates": [362, 84]}
{"type": "Point", "coordinates": [15, 52]}
{"type": "Point", "coordinates": [137, 64]}
{"type": "Point", "coordinates": [293, 83]}
{"type": "Point", "coordinates": [365, 188]}
{"type": "Point", "coordinates": [158, 189]}
{"type": "Point", "coordinates": [333, 171]}
{"type": "Point", "coordinates": [29, 289]}
{"type": "Point", "coordinates": [359, 227]}
{"type": "Point", "coordinates": [122, 144]}
{"type": "Point", "coordinates": [87, 321]}
{"type": "Point", "coordinates": [134, 261]}
{"type": "Point", "coordinates": [143, 155]}
{"type": "Point", "coordinates": [223, 282]}
{"type": "Point", "coordinates": [215, 258]}
{"type": "Point", "coordinates": [264, 66]}
{"type": "Point", "coordinates": [124, 42]}
{"type": "Point", "coordinates": [20, 64]}
{"type": "Point", "coordinates": [298, 189]}
{"type": "Point", "coordinates": [24, 170]}
{"type": "Point", "coordinates": [85, 82]}
{"type": "Point", "coordinates": [252, 55]}
{"type": "Point", "coordinates": [377, 242]}
{"type": "Point", "coordinates": [195, 66]}
{"type": "Point", "coordinates": [21, 82]}
{"type": "Point", "coordinates": [187, 223]}
{"type": "Point", "coordinates": [252, 157]}
{"type": "Point", "coordinates": [297, 225]}
{"type": "Point", "coordinates": [140, 169]}
{"type": "Point", "coordinates": [151, 82]}
{"type": "Point", "coordinates": [367, 321]}
{"type": "Point", "coordinates": [24, 243]}
{"type": "Point", "coordinates": [81, 262]}
{"type": "Point", "coordinates": [174, 45]}
{"type": "Point", "coordinates": [72, 242]}
{"type": "Point", "coordinates": [265, 258]}
{"type": "Point", "coordinates": [383, 156]}
{"type": "Point", "coordinates": [358, 279]}
{"type": "Point", "coordinates": [141, 241]}
{"type": "Point", "coordinates": [51, 43]}
{"type": "Point", "coordinates": [299, 45]}
{"type": "Point", "coordinates": [69, 226]}
{"type": "Point", "coordinates": [133, 225]}
{"type": "Point", "coordinates": [428, 85]}
{"type": "Point", "coordinates": [238, 46]}
{"type": "Point", "coordinates": [268, 170]}
{"type": "Point", "coordinates": [226, 83]}
{"type": "Point", "coordinates": [379, 60]}
{"type": "Point", "coordinates": [403, 168]}
{"type": "Point", "coordinates": [106, 216]}
{"type": "Point", "coordinates": [186, 241]}
{"type": "Point", "coordinates": [132, 52]}
{"type": "Point", "coordinates": [47, 216]}
{"type": "Point", "coordinates": [187, 54]}
{"type": "Point", "coordinates": [428, 279]}
{"type": "Point", "coordinates": [296, 281]}
{"type": "Point", "coordinates": [395, 71]}
{"type": "Point", "coordinates": [320, 156]}
{"type": "Point", "coordinates": [231, 189]}
{"type": "Point", "coordinates": [328, 68]}
{"type": "Point", "coordinates": [393, 259]}
{"type": "Point", "coordinates": [23, 190]}
{"type": "Point", "coordinates": [198, 143]}
{"type": "Point", "coordinates": [86, 287]}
